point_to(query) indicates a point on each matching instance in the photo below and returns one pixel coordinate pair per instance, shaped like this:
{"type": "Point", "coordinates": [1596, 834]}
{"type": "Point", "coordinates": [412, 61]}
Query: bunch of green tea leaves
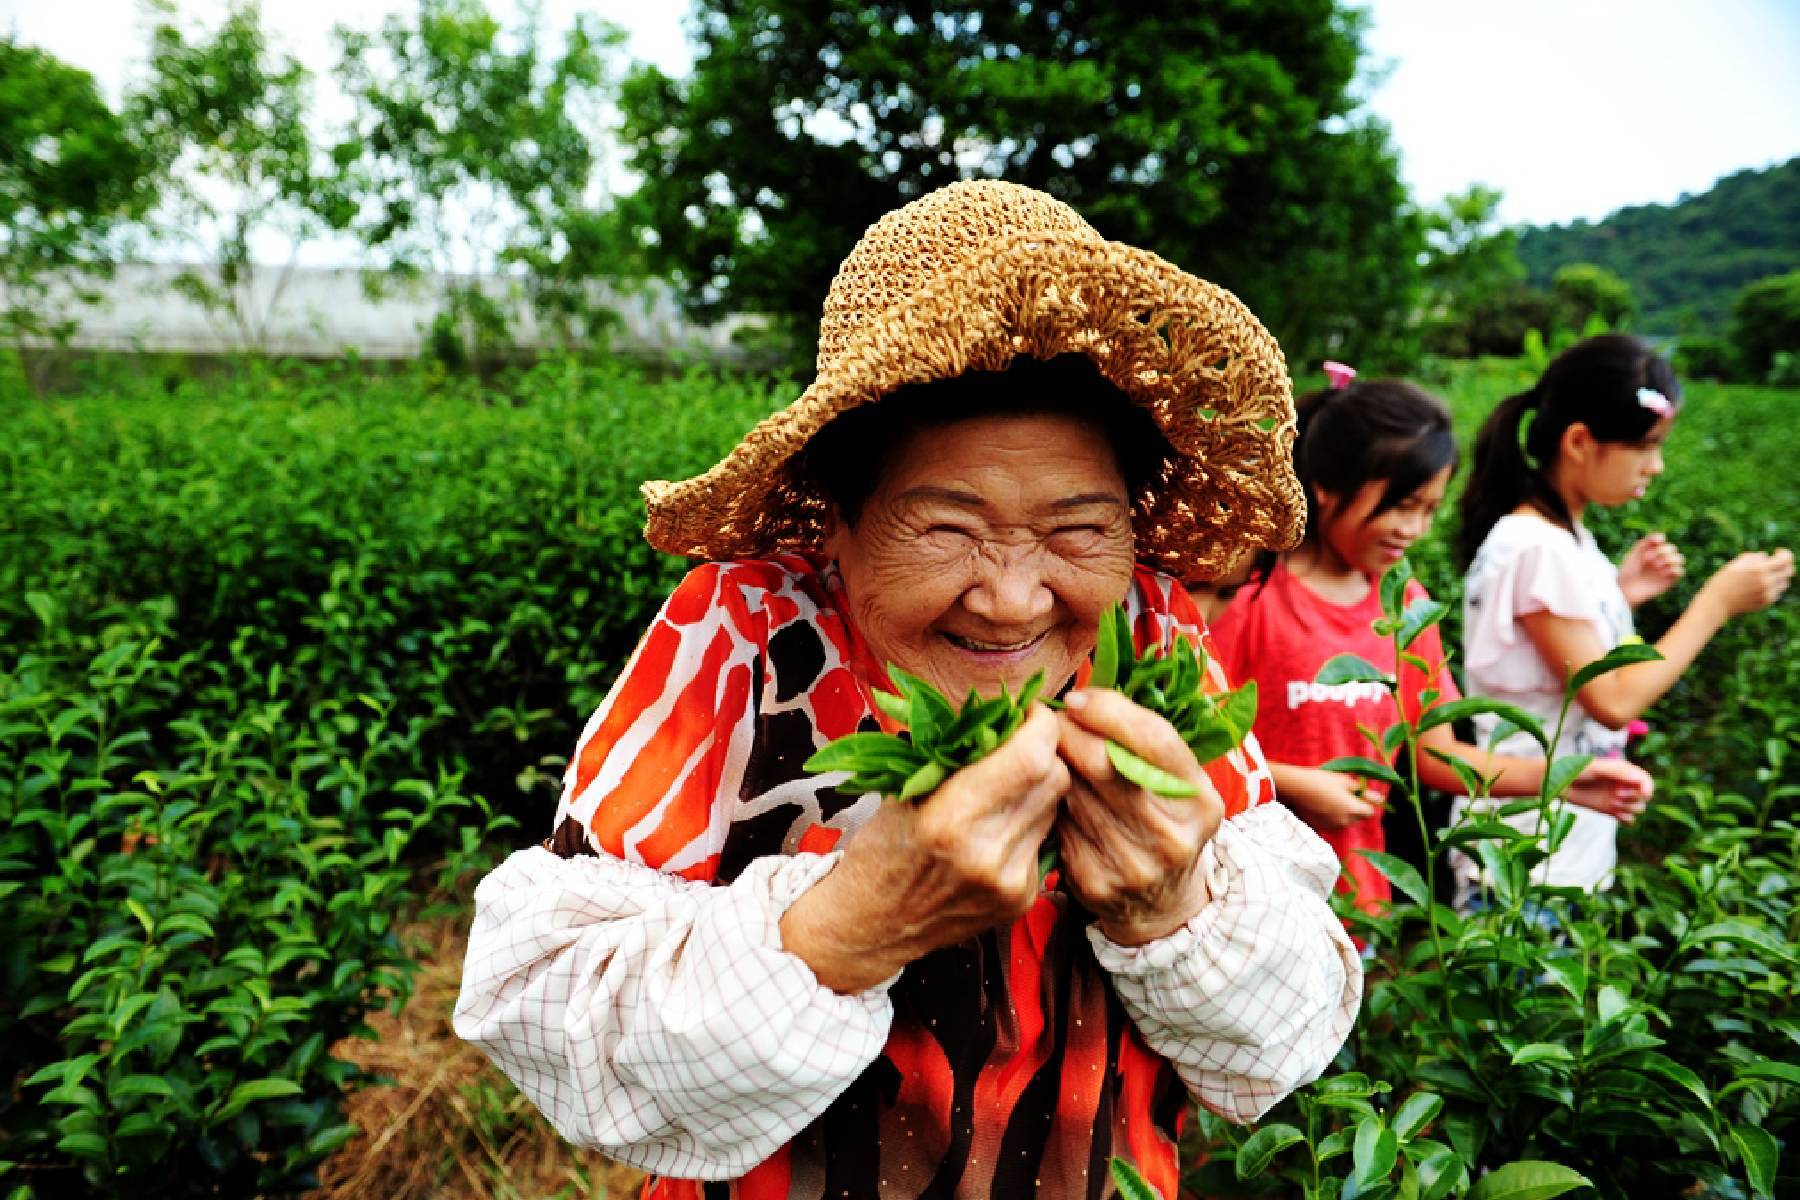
{"type": "Point", "coordinates": [939, 739]}
{"type": "Point", "coordinates": [1173, 686]}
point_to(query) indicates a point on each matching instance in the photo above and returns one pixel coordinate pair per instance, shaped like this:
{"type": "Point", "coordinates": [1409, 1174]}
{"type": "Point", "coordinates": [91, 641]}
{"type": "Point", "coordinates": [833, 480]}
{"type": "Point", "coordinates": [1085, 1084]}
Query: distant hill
{"type": "Point", "coordinates": [1694, 253]}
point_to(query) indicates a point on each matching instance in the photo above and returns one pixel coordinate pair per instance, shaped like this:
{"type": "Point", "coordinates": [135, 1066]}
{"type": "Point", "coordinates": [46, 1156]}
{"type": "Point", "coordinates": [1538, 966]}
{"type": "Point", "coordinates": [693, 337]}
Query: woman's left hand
{"type": "Point", "coordinates": [1131, 856]}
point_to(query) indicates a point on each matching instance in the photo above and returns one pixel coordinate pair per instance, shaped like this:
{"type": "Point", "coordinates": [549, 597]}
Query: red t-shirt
{"type": "Point", "coordinates": [1280, 634]}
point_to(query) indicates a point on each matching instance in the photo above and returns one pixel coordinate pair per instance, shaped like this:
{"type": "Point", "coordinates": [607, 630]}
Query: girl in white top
{"type": "Point", "coordinates": [1542, 601]}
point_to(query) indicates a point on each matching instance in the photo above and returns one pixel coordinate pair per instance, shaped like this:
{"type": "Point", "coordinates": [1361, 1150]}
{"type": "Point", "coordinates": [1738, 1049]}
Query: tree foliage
{"type": "Point", "coordinates": [471, 146]}
{"type": "Point", "coordinates": [1225, 137]}
{"type": "Point", "coordinates": [1689, 257]}
{"type": "Point", "coordinates": [227, 116]}
{"type": "Point", "coordinates": [1585, 292]}
{"type": "Point", "coordinates": [1476, 301]}
{"type": "Point", "coordinates": [70, 171]}
{"type": "Point", "coordinates": [1765, 322]}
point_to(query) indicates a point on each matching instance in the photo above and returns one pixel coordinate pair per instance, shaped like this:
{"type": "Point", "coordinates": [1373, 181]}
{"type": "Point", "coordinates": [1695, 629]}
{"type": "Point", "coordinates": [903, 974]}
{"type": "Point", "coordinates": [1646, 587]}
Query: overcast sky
{"type": "Point", "coordinates": [1572, 108]}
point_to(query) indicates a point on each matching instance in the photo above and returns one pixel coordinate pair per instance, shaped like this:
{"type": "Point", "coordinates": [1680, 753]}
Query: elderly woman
{"type": "Point", "coordinates": [719, 968]}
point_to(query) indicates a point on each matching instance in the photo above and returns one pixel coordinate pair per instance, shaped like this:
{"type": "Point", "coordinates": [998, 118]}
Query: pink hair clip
{"type": "Point", "coordinates": [1655, 401]}
{"type": "Point", "coordinates": [1341, 375]}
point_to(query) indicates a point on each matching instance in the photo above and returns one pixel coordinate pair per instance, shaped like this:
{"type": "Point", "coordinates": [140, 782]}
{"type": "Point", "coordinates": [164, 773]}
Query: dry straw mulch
{"type": "Point", "coordinates": [449, 1126]}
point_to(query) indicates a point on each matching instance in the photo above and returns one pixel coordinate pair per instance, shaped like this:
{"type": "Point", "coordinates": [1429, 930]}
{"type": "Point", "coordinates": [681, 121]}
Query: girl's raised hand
{"type": "Point", "coordinates": [1752, 581]}
{"type": "Point", "coordinates": [1618, 788]}
{"type": "Point", "coordinates": [1651, 567]}
{"type": "Point", "coordinates": [1130, 855]}
{"type": "Point", "coordinates": [1327, 799]}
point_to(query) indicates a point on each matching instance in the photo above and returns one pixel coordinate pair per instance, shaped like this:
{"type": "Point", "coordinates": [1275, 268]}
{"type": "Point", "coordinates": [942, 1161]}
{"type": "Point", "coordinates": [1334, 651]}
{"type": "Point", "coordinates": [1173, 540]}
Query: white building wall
{"type": "Point", "coordinates": [323, 312]}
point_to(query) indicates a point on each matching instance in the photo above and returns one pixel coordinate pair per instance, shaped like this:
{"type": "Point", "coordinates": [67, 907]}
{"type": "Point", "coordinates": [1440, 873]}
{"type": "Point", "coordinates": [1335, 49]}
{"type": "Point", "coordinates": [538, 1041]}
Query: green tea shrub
{"type": "Point", "coordinates": [293, 643]}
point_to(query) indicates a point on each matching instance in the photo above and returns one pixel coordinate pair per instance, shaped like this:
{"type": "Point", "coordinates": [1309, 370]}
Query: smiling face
{"type": "Point", "coordinates": [988, 551]}
{"type": "Point", "coordinates": [1371, 542]}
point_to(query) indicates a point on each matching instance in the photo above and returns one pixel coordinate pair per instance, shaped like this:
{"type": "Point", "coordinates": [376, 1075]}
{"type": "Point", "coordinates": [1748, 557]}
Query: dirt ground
{"type": "Point", "coordinates": [449, 1126]}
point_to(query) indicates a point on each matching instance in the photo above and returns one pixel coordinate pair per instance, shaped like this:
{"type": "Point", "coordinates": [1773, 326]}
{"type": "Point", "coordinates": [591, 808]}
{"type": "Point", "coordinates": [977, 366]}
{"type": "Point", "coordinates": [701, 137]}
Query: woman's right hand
{"type": "Point", "coordinates": [931, 874]}
{"type": "Point", "coordinates": [1752, 581]}
{"type": "Point", "coordinates": [1327, 799]}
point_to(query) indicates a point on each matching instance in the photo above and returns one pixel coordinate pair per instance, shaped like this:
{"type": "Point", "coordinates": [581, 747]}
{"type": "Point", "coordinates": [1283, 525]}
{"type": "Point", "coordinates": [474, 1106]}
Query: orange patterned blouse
{"type": "Point", "coordinates": [628, 973]}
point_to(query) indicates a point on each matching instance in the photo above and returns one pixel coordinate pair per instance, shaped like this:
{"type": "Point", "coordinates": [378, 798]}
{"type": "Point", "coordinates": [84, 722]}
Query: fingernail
{"type": "Point", "coordinates": [1075, 700]}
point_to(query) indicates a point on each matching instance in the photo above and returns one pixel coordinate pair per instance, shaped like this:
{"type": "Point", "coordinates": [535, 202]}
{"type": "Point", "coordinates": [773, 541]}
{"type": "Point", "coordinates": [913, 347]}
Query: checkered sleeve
{"type": "Point", "coordinates": [1255, 995]}
{"type": "Point", "coordinates": [659, 1019]}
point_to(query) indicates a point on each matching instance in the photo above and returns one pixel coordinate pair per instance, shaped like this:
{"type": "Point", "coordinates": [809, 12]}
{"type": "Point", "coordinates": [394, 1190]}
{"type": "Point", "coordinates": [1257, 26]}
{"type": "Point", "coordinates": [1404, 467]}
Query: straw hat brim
{"type": "Point", "coordinates": [1187, 351]}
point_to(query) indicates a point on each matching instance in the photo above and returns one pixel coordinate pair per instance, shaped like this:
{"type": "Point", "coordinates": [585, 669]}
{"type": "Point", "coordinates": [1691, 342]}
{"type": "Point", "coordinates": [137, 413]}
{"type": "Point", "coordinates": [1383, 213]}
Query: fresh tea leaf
{"type": "Point", "coordinates": [1261, 1147]}
{"type": "Point", "coordinates": [1619, 656]}
{"type": "Point", "coordinates": [1402, 875]}
{"type": "Point", "coordinates": [1761, 1155]}
{"type": "Point", "coordinates": [1457, 710]}
{"type": "Point", "coordinates": [1148, 775]}
{"type": "Point", "coordinates": [1367, 768]}
{"type": "Point", "coordinates": [1131, 1185]}
{"type": "Point", "coordinates": [1350, 668]}
{"type": "Point", "coordinates": [1527, 1180]}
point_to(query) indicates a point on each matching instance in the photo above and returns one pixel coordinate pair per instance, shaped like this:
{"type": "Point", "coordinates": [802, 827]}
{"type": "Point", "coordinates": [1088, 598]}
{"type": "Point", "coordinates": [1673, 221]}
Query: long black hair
{"type": "Point", "coordinates": [1382, 429]}
{"type": "Point", "coordinates": [1593, 383]}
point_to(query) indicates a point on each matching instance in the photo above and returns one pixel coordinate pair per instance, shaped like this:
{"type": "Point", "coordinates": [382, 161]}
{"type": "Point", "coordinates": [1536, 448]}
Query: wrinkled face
{"type": "Point", "coordinates": [988, 551]}
{"type": "Point", "coordinates": [1369, 543]}
{"type": "Point", "coordinates": [1618, 472]}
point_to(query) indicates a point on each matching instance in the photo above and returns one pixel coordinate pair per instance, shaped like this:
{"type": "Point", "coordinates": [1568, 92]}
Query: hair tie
{"type": "Point", "coordinates": [1339, 375]}
{"type": "Point", "coordinates": [1527, 419]}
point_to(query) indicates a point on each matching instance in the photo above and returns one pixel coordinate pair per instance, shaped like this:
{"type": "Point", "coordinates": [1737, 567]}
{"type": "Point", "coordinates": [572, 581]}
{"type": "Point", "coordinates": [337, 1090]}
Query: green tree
{"type": "Point", "coordinates": [1585, 292]}
{"type": "Point", "coordinates": [470, 152]}
{"type": "Point", "coordinates": [1685, 261]}
{"type": "Point", "coordinates": [1226, 137]}
{"type": "Point", "coordinates": [228, 118]}
{"type": "Point", "coordinates": [70, 172]}
{"type": "Point", "coordinates": [1475, 298]}
{"type": "Point", "coordinates": [1765, 321]}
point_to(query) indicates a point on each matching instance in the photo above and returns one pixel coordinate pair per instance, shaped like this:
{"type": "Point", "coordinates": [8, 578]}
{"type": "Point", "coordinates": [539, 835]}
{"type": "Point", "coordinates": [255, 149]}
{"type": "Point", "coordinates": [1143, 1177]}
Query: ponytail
{"type": "Point", "coordinates": [1510, 455]}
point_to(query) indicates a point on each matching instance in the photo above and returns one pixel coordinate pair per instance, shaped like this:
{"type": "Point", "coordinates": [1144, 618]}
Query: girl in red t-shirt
{"type": "Point", "coordinates": [1375, 459]}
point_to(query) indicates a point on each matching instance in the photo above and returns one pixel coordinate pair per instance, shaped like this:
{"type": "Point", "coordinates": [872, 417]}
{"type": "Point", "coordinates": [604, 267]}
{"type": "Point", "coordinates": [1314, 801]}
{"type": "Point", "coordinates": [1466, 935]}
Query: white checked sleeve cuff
{"type": "Point", "coordinates": [1255, 995]}
{"type": "Point", "coordinates": [656, 1018]}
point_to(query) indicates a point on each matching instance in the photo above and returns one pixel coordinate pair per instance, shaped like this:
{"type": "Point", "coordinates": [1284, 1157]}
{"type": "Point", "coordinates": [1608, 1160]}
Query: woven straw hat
{"type": "Point", "coordinates": [969, 277]}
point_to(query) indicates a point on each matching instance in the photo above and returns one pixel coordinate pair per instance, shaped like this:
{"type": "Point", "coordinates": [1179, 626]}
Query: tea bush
{"type": "Point", "coordinates": [289, 642]}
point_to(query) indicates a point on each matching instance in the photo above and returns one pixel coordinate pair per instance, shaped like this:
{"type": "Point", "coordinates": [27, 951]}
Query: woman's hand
{"type": "Point", "coordinates": [1651, 567]}
{"type": "Point", "coordinates": [1751, 582]}
{"type": "Point", "coordinates": [1613, 786]}
{"type": "Point", "coordinates": [1325, 799]}
{"type": "Point", "coordinates": [1131, 856]}
{"type": "Point", "coordinates": [920, 876]}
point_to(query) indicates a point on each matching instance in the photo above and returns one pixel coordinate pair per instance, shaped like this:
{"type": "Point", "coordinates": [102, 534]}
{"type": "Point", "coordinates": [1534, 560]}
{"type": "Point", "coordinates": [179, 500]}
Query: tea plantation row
{"type": "Point", "coordinates": [282, 641]}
